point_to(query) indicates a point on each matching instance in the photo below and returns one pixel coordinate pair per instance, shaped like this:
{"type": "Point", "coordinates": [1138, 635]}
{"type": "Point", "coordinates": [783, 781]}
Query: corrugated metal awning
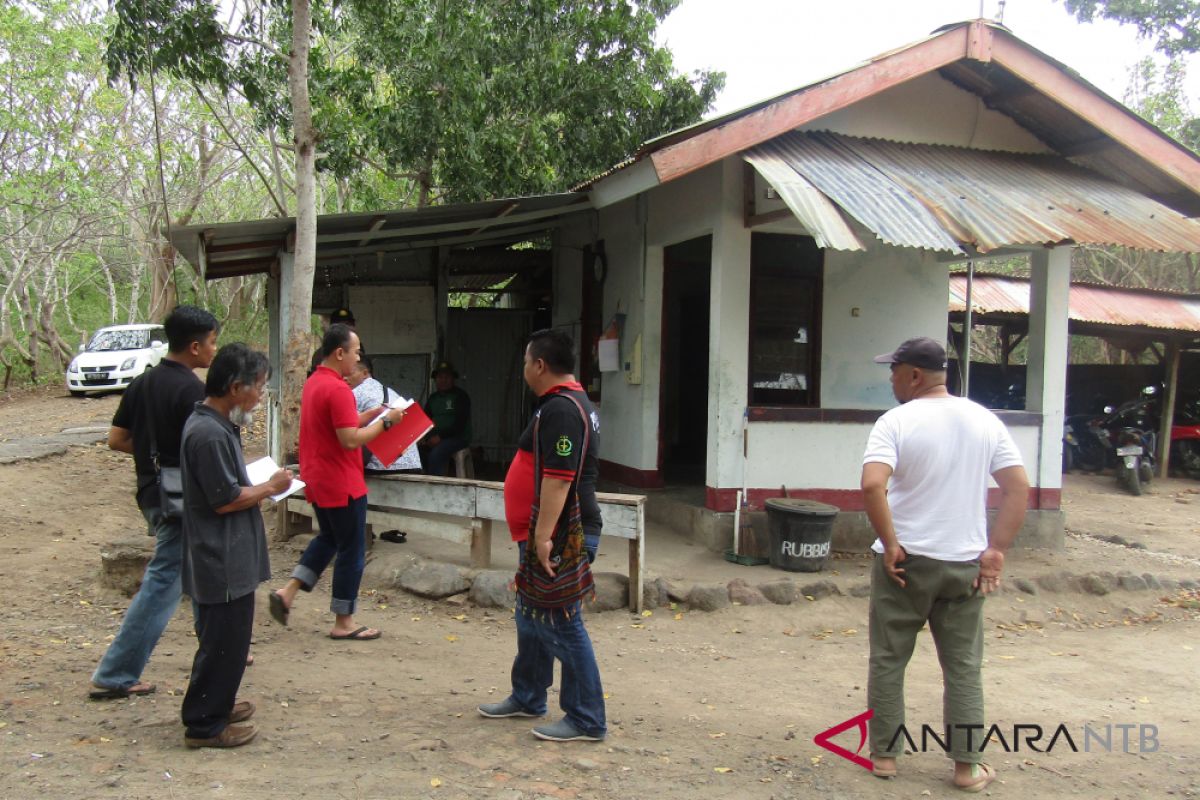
{"type": "Point", "coordinates": [243, 248]}
{"type": "Point", "coordinates": [941, 198]}
{"type": "Point", "coordinates": [1088, 303]}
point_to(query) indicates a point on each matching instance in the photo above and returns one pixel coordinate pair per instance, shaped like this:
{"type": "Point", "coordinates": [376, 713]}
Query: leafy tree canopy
{"type": "Point", "coordinates": [1174, 25]}
{"type": "Point", "coordinates": [459, 100]}
{"type": "Point", "coordinates": [505, 98]}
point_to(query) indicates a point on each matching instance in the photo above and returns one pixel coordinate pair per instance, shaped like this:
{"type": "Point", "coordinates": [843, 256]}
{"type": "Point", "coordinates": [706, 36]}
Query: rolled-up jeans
{"type": "Point", "coordinates": [151, 609]}
{"type": "Point", "coordinates": [341, 535]}
{"type": "Point", "coordinates": [542, 636]}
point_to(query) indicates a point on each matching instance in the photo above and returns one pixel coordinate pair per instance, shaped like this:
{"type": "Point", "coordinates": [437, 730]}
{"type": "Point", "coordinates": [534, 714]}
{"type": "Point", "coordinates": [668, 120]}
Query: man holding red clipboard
{"type": "Point", "coordinates": [331, 435]}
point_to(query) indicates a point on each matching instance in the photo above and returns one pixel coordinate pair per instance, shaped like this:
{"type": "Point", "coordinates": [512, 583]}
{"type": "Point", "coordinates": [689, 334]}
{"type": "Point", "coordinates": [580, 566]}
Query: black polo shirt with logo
{"type": "Point", "coordinates": [561, 441]}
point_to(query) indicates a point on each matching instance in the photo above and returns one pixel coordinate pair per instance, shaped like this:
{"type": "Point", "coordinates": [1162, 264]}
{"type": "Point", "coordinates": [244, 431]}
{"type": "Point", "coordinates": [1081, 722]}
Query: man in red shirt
{"type": "Point", "coordinates": [331, 433]}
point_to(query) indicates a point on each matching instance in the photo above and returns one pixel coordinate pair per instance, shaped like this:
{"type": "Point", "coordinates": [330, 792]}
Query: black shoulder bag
{"type": "Point", "coordinates": [170, 479]}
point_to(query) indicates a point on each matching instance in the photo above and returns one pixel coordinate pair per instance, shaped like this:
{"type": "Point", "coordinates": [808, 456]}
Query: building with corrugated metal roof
{"type": "Point", "coordinates": [750, 266]}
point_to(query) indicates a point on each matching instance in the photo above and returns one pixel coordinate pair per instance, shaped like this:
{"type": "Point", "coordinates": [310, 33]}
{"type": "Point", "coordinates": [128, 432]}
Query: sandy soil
{"type": "Point", "coordinates": [700, 705]}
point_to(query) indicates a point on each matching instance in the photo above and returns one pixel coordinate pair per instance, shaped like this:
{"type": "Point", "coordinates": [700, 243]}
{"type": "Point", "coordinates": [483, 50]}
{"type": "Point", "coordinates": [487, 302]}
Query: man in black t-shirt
{"type": "Point", "coordinates": [552, 469]}
{"type": "Point", "coordinates": [150, 417]}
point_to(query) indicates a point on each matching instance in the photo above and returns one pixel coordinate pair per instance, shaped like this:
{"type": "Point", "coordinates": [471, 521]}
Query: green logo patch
{"type": "Point", "coordinates": [564, 447]}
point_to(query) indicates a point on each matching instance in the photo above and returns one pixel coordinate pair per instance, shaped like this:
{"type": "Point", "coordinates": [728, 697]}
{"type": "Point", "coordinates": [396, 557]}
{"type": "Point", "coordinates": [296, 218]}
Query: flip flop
{"type": "Point", "coordinates": [985, 780]}
{"type": "Point", "coordinates": [881, 772]}
{"type": "Point", "coordinates": [357, 635]}
{"type": "Point", "coordinates": [279, 609]}
{"type": "Point", "coordinates": [103, 693]}
{"type": "Point", "coordinates": [396, 537]}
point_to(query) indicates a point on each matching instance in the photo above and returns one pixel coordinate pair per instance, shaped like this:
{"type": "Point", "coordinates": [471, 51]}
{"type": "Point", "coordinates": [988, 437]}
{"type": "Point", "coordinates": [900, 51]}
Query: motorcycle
{"type": "Point", "coordinates": [1135, 458]}
{"type": "Point", "coordinates": [1123, 438]}
{"type": "Point", "coordinates": [1185, 439]}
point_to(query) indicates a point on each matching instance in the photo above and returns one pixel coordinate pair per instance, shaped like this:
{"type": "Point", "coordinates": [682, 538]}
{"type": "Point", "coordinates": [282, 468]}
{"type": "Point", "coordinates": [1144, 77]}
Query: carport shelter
{"type": "Point", "coordinates": [1134, 320]}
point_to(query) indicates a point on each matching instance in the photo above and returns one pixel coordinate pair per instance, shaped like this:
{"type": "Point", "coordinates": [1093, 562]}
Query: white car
{"type": "Point", "coordinates": [114, 357]}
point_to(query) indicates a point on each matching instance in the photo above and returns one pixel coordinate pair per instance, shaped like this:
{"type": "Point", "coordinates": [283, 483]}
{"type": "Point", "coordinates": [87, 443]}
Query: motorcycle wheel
{"type": "Point", "coordinates": [1187, 456]}
{"type": "Point", "coordinates": [1068, 458]}
{"type": "Point", "coordinates": [1089, 458]}
{"type": "Point", "coordinates": [1128, 478]}
{"type": "Point", "coordinates": [1145, 472]}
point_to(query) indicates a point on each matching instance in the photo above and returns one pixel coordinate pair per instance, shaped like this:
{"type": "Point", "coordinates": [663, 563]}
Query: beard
{"type": "Point", "coordinates": [241, 417]}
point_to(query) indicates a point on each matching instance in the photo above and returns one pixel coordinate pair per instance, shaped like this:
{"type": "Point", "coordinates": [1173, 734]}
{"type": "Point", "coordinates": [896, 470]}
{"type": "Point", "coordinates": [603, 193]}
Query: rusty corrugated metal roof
{"type": "Point", "coordinates": [1071, 116]}
{"type": "Point", "coordinates": [939, 197]}
{"type": "Point", "coordinates": [818, 215]}
{"type": "Point", "coordinates": [1088, 302]}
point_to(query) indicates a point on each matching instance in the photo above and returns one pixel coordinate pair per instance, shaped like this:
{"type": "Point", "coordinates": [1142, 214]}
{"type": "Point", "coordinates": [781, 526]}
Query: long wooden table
{"type": "Point", "coordinates": [466, 511]}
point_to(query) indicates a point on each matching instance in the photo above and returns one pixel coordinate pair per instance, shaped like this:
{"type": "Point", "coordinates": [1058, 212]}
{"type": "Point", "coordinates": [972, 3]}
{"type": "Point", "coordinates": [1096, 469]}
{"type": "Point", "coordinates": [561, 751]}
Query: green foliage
{"type": "Point", "coordinates": [475, 100]}
{"type": "Point", "coordinates": [1174, 25]}
{"type": "Point", "coordinates": [1160, 97]}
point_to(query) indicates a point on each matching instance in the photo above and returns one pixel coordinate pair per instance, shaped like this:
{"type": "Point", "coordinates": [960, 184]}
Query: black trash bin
{"type": "Point", "coordinates": [801, 533]}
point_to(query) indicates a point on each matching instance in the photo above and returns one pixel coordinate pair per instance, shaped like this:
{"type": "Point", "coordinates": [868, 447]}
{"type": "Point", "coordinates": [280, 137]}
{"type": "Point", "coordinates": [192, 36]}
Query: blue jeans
{"type": "Point", "coordinates": [341, 534]}
{"type": "Point", "coordinates": [544, 635]}
{"type": "Point", "coordinates": [151, 609]}
{"type": "Point", "coordinates": [438, 459]}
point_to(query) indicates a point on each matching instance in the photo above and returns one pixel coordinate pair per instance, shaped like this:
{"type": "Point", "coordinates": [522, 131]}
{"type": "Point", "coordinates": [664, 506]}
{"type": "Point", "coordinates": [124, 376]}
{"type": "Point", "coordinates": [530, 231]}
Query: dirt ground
{"type": "Point", "coordinates": [700, 705]}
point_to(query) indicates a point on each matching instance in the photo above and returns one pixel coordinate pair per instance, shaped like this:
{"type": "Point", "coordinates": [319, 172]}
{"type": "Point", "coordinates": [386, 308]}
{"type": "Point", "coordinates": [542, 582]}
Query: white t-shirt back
{"type": "Point", "coordinates": [941, 451]}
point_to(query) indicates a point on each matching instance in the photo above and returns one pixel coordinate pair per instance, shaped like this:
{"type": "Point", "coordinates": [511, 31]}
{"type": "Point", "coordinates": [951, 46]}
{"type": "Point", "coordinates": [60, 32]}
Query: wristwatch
{"type": "Point", "coordinates": [387, 424]}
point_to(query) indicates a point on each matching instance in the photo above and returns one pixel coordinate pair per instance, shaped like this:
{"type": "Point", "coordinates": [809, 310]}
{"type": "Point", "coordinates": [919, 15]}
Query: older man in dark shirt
{"type": "Point", "coordinates": [225, 545]}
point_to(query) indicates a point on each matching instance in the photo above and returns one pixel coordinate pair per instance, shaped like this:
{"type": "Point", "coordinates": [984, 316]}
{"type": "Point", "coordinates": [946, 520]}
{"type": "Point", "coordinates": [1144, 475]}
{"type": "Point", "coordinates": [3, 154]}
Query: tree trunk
{"type": "Point", "coordinates": [296, 339]}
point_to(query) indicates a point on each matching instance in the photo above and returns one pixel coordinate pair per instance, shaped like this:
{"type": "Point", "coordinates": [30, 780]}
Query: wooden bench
{"type": "Point", "coordinates": [467, 511]}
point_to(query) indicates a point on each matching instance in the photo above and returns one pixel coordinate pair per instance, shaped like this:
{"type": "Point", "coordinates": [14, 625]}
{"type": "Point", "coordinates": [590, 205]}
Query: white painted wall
{"type": "Point", "coordinates": [395, 319]}
{"type": "Point", "coordinates": [930, 110]}
{"type": "Point", "coordinates": [899, 293]}
{"type": "Point", "coordinates": [635, 231]}
{"type": "Point", "coordinates": [815, 455]}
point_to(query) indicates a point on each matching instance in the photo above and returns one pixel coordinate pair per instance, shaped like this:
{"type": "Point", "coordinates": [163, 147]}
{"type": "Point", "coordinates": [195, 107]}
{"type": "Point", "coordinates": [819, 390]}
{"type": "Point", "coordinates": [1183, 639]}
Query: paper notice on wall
{"type": "Point", "coordinates": [610, 357]}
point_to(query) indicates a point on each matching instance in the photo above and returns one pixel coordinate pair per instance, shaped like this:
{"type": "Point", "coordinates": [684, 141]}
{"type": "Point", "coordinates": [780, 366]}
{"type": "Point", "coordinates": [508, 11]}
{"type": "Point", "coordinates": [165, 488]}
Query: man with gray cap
{"type": "Point", "coordinates": [925, 485]}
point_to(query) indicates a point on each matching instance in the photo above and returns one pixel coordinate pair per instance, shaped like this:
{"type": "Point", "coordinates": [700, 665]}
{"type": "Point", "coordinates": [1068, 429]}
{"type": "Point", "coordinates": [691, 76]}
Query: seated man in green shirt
{"type": "Point", "coordinates": [450, 410]}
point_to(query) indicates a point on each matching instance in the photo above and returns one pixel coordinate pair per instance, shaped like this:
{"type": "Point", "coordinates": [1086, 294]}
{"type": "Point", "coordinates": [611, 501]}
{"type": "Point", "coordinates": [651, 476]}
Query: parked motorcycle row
{"type": "Point", "coordinates": [1124, 438]}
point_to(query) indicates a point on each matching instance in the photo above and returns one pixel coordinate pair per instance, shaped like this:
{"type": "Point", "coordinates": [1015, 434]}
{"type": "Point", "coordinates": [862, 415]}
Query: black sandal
{"type": "Point", "coordinates": [396, 537]}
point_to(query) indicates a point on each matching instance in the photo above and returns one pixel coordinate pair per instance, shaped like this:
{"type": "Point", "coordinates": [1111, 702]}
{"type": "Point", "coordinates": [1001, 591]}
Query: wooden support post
{"type": "Point", "coordinates": [1168, 409]}
{"type": "Point", "coordinates": [481, 543]}
{"type": "Point", "coordinates": [637, 554]}
{"type": "Point", "coordinates": [283, 527]}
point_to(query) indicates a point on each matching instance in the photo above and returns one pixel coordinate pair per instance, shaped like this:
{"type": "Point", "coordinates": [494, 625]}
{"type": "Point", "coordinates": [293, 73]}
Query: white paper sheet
{"type": "Point", "coordinates": [260, 471]}
{"type": "Point", "coordinates": [398, 402]}
{"type": "Point", "coordinates": [610, 356]}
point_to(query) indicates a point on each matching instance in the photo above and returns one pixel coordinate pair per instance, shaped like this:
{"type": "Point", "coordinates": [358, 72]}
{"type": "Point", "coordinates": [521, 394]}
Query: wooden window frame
{"type": "Point", "coordinates": [813, 379]}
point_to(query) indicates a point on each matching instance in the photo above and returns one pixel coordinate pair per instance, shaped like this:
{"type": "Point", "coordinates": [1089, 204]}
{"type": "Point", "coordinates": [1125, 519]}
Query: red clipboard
{"type": "Point", "coordinates": [388, 445]}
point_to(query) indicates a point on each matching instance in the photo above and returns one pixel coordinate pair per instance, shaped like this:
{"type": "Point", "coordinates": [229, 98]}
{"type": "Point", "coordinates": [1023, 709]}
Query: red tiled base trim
{"type": "Point", "coordinates": [631, 476]}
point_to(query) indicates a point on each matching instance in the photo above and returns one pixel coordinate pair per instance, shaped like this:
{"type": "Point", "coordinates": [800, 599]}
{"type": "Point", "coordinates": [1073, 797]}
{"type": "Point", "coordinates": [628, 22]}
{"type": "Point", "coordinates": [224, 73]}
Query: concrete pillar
{"type": "Point", "coordinates": [1046, 374]}
{"type": "Point", "coordinates": [729, 333]}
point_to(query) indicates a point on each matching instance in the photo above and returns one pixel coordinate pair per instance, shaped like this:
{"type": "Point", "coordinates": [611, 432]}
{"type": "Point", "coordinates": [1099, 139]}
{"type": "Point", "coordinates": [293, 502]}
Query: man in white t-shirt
{"type": "Point", "coordinates": [925, 484]}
